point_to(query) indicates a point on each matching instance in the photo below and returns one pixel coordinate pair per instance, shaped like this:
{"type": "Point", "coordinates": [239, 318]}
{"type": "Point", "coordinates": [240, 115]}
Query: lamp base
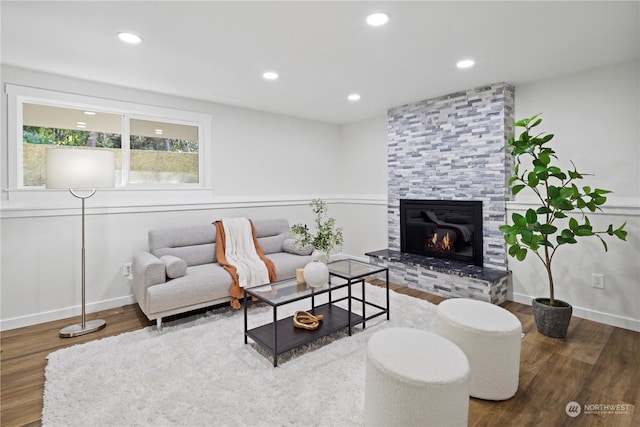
{"type": "Point", "coordinates": [77, 330]}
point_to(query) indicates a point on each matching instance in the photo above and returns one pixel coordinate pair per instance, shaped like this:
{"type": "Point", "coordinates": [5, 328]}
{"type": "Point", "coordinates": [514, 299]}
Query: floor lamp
{"type": "Point", "coordinates": [84, 169]}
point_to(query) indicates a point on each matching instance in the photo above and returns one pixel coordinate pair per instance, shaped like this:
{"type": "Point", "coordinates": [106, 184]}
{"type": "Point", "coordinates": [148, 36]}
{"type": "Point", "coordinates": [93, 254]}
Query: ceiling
{"type": "Point", "coordinates": [323, 51]}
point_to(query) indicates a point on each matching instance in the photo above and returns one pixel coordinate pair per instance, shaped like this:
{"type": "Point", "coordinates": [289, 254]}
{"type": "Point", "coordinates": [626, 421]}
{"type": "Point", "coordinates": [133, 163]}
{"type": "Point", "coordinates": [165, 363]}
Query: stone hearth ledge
{"type": "Point", "coordinates": [447, 278]}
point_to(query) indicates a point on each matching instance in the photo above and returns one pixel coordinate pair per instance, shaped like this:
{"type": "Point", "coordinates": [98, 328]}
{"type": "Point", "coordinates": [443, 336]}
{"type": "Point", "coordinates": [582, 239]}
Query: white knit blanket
{"type": "Point", "coordinates": [240, 252]}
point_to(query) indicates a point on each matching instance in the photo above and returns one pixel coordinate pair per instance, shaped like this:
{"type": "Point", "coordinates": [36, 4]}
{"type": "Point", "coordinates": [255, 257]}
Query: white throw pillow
{"type": "Point", "coordinates": [290, 246]}
{"type": "Point", "coordinates": [174, 266]}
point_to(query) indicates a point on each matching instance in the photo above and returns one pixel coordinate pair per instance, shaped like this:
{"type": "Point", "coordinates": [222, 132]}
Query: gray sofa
{"type": "Point", "coordinates": [179, 272]}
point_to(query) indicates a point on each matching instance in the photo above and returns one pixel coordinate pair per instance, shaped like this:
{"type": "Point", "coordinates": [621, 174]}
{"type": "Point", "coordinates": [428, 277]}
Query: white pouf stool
{"type": "Point", "coordinates": [415, 378]}
{"type": "Point", "coordinates": [491, 338]}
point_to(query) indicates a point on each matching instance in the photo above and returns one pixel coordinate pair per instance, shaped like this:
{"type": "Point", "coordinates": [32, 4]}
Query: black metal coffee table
{"type": "Point", "coordinates": [354, 271]}
{"type": "Point", "coordinates": [280, 336]}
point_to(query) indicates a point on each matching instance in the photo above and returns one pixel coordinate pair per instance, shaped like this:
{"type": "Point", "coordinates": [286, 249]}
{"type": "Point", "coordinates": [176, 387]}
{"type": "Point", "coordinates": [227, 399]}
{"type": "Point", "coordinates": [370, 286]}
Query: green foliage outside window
{"type": "Point", "coordinates": [81, 138]}
{"type": "Point", "coordinates": [69, 137]}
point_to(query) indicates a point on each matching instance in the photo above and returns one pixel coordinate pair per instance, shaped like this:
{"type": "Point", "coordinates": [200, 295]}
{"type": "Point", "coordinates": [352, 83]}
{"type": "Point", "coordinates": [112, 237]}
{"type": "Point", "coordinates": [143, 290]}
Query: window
{"type": "Point", "coordinates": [163, 153]}
{"type": "Point", "coordinates": [45, 126]}
{"type": "Point", "coordinates": [154, 147]}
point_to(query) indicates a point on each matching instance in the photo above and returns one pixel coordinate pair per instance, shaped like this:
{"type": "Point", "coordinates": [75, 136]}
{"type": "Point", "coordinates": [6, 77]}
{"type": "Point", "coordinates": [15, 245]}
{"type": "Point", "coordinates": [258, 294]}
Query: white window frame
{"type": "Point", "coordinates": [19, 95]}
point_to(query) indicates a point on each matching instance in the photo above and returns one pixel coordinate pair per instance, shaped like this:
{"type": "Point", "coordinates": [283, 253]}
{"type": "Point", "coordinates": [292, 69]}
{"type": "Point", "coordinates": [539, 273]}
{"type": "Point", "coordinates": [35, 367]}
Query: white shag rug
{"type": "Point", "coordinates": [199, 372]}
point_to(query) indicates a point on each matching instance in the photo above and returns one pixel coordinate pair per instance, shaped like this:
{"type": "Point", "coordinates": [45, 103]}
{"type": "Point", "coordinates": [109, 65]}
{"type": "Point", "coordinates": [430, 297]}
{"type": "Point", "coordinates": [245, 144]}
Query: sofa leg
{"type": "Point", "coordinates": [159, 323]}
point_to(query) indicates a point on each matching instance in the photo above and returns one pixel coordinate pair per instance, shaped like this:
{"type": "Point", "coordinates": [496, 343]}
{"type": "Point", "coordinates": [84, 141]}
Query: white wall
{"type": "Point", "coordinates": [265, 166]}
{"type": "Point", "coordinates": [364, 185]}
{"type": "Point", "coordinates": [595, 117]}
{"type": "Point", "coordinates": [258, 153]}
{"type": "Point", "coordinates": [243, 140]}
{"type": "Point", "coordinates": [596, 111]}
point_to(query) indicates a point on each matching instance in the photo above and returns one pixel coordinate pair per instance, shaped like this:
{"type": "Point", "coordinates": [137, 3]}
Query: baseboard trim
{"type": "Point", "coordinates": [588, 314]}
{"type": "Point", "coordinates": [49, 316]}
{"type": "Point", "coordinates": [65, 313]}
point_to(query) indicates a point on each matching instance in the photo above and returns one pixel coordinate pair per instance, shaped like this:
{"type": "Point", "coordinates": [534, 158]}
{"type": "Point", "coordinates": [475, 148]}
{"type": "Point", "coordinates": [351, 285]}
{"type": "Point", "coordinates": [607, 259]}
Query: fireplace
{"type": "Point", "coordinates": [448, 229]}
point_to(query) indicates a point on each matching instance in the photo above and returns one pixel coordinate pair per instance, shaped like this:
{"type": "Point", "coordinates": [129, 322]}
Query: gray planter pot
{"type": "Point", "coordinates": [552, 321]}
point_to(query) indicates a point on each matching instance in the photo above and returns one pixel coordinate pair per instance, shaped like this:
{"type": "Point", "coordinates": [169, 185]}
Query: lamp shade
{"type": "Point", "coordinates": [78, 168]}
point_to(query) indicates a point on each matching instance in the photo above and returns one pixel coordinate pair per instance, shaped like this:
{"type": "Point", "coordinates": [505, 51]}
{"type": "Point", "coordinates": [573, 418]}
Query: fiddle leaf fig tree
{"type": "Point", "coordinates": [545, 229]}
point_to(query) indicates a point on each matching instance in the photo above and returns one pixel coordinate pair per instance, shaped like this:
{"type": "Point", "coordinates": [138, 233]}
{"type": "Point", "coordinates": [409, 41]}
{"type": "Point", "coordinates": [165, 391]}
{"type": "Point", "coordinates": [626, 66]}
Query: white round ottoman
{"type": "Point", "coordinates": [415, 378]}
{"type": "Point", "coordinates": [491, 337]}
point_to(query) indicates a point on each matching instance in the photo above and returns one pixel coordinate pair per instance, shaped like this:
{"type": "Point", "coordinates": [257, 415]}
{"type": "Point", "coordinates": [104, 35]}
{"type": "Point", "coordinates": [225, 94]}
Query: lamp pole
{"type": "Point", "coordinates": [86, 168]}
{"type": "Point", "coordinates": [92, 325]}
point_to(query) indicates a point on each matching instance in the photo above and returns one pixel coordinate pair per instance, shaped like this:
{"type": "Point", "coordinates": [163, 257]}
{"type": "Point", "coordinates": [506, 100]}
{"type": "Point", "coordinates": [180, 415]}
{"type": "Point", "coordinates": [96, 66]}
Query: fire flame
{"type": "Point", "coordinates": [444, 244]}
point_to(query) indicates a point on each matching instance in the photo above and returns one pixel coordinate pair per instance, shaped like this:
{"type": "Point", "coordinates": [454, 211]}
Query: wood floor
{"type": "Point", "coordinates": [596, 365]}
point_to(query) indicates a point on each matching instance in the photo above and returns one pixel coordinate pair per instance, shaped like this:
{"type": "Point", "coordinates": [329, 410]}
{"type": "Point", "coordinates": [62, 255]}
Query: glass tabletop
{"type": "Point", "coordinates": [352, 269]}
{"type": "Point", "coordinates": [286, 291]}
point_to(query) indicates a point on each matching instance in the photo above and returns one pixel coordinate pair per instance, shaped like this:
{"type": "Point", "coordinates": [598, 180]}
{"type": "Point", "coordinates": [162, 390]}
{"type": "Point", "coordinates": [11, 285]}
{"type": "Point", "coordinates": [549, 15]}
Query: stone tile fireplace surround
{"type": "Point", "coordinates": [451, 148]}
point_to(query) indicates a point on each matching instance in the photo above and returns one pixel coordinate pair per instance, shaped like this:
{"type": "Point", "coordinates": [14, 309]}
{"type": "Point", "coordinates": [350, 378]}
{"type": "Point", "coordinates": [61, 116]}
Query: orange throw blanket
{"type": "Point", "coordinates": [236, 290]}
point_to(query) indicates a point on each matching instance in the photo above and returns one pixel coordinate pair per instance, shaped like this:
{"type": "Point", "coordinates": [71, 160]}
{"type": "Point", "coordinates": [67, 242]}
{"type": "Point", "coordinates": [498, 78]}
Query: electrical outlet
{"type": "Point", "coordinates": [126, 269]}
{"type": "Point", "coordinates": [597, 280]}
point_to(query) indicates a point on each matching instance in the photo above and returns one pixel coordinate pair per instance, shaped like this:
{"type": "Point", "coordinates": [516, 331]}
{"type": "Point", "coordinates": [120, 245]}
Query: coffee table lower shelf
{"type": "Point", "coordinates": [289, 337]}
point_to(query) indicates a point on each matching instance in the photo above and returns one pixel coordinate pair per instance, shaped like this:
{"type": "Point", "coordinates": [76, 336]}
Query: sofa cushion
{"type": "Point", "coordinates": [270, 233]}
{"type": "Point", "coordinates": [193, 255]}
{"type": "Point", "coordinates": [174, 266]}
{"type": "Point", "coordinates": [289, 245]}
{"type": "Point", "coordinates": [181, 236]}
{"type": "Point", "coordinates": [201, 283]}
{"type": "Point", "coordinates": [272, 244]}
{"type": "Point", "coordinates": [270, 227]}
{"type": "Point", "coordinates": [287, 263]}
{"type": "Point", "coordinates": [194, 244]}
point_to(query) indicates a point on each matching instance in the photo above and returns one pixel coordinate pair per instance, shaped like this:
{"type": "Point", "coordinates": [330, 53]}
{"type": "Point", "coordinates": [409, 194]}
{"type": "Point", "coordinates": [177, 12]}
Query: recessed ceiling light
{"type": "Point", "coordinates": [378, 18]}
{"type": "Point", "coordinates": [130, 38]}
{"type": "Point", "coordinates": [465, 63]}
{"type": "Point", "coordinates": [270, 75]}
{"type": "Point", "coordinates": [354, 97]}
{"type": "Point", "coordinates": [159, 131]}
{"type": "Point", "coordinates": [90, 113]}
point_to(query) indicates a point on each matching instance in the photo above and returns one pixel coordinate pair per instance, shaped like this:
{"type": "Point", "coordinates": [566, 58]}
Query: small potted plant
{"type": "Point", "coordinates": [548, 227]}
{"type": "Point", "coordinates": [327, 236]}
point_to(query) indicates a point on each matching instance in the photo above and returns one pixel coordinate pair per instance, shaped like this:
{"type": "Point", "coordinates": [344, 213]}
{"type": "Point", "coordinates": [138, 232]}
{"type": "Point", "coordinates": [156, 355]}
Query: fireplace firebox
{"type": "Point", "coordinates": [449, 229]}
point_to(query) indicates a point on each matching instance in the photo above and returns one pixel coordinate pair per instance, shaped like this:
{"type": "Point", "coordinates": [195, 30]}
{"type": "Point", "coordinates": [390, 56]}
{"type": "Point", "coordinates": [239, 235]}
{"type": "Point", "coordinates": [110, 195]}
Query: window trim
{"type": "Point", "coordinates": [19, 95]}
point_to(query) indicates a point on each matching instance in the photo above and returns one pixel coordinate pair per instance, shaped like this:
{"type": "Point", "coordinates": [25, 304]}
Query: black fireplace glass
{"type": "Point", "coordinates": [449, 229]}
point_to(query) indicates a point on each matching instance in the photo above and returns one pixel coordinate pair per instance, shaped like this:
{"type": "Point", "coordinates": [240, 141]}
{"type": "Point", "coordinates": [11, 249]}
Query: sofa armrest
{"type": "Point", "coordinates": [148, 270]}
